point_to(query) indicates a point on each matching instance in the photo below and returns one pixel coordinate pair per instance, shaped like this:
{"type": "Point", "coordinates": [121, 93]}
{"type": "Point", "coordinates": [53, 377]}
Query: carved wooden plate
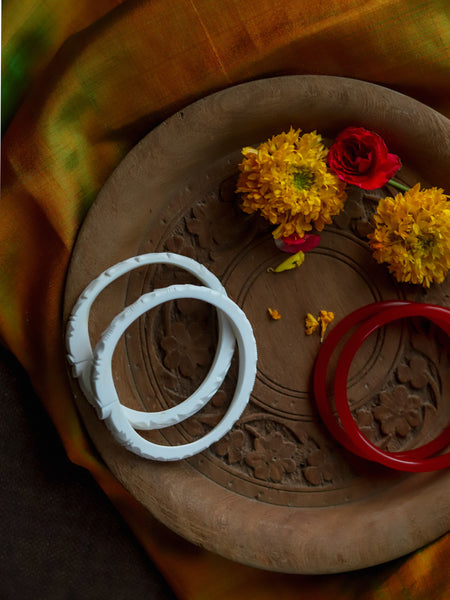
{"type": "Point", "coordinates": [277, 492]}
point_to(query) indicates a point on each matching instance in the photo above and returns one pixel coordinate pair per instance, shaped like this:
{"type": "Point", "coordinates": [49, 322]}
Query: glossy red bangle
{"type": "Point", "coordinates": [411, 460]}
{"type": "Point", "coordinates": [322, 363]}
{"type": "Point", "coordinates": [348, 438]}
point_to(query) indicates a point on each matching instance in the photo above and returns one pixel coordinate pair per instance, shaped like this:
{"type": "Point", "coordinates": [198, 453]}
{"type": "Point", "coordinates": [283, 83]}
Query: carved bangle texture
{"type": "Point", "coordinates": [94, 368]}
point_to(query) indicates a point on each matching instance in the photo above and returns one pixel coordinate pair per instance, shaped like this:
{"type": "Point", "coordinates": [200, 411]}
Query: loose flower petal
{"type": "Point", "coordinates": [311, 324]}
{"type": "Point", "coordinates": [325, 319]}
{"type": "Point", "coordinates": [294, 243]}
{"type": "Point", "coordinates": [274, 314]}
{"type": "Point", "coordinates": [290, 263]}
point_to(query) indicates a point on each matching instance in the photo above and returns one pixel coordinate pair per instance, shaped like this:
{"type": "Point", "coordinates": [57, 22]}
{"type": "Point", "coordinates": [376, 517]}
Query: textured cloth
{"type": "Point", "coordinates": [82, 83]}
{"type": "Point", "coordinates": [61, 537]}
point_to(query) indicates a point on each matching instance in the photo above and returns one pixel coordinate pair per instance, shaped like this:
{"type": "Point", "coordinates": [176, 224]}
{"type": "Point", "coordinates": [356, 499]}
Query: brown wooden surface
{"type": "Point", "coordinates": [277, 492]}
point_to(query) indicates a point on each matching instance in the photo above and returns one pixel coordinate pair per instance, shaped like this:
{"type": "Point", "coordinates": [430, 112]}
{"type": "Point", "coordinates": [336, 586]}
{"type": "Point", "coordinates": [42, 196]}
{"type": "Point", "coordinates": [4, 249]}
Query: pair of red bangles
{"type": "Point", "coordinates": [370, 318]}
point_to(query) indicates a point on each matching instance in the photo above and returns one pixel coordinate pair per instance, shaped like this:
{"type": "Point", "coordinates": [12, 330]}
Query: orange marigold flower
{"type": "Point", "coordinates": [274, 314]}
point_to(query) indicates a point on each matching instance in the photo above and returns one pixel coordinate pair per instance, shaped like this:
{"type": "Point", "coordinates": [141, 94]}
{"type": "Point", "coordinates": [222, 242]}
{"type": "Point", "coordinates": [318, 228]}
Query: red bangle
{"type": "Point", "coordinates": [349, 435]}
{"type": "Point", "coordinates": [410, 460]}
{"type": "Point", "coordinates": [322, 362]}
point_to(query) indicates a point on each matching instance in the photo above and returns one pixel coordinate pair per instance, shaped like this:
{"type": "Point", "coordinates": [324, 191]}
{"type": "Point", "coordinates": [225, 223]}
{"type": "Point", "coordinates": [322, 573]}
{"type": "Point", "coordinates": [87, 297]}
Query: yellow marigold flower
{"type": "Point", "coordinates": [412, 235]}
{"type": "Point", "coordinates": [311, 324]}
{"type": "Point", "coordinates": [274, 314]}
{"type": "Point", "coordinates": [286, 179]}
{"type": "Point", "coordinates": [326, 316]}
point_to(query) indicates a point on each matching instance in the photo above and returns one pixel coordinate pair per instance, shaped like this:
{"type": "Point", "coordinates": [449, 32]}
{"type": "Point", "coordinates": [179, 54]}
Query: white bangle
{"type": "Point", "coordinates": [103, 384]}
{"type": "Point", "coordinates": [80, 350]}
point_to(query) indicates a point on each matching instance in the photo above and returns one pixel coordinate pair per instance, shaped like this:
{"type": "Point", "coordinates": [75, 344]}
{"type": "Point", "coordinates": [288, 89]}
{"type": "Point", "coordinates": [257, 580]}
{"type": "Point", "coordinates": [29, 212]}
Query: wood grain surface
{"type": "Point", "coordinates": [277, 492]}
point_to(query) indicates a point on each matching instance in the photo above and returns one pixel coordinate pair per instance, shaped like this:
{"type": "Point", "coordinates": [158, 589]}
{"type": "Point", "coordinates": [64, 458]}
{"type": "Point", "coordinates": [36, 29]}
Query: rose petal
{"type": "Point", "coordinates": [294, 244]}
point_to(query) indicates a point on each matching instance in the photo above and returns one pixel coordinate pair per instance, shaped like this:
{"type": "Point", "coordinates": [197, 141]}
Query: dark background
{"type": "Point", "coordinates": [60, 536]}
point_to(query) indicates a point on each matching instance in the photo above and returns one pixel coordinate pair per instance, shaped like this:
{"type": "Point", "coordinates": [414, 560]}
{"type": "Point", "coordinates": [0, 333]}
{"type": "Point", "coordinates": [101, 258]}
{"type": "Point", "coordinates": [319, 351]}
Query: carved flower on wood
{"type": "Point", "coordinates": [272, 457]}
{"type": "Point", "coordinates": [178, 245]}
{"type": "Point", "coordinates": [231, 446]}
{"type": "Point", "coordinates": [414, 373]}
{"type": "Point", "coordinates": [398, 412]}
{"type": "Point", "coordinates": [317, 468]}
{"type": "Point", "coordinates": [365, 422]}
{"type": "Point", "coordinates": [195, 426]}
{"type": "Point", "coordinates": [212, 223]}
{"type": "Point", "coordinates": [185, 348]}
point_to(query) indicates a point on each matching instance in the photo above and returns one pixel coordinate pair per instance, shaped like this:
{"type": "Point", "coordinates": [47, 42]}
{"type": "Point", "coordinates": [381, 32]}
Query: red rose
{"type": "Point", "coordinates": [361, 157]}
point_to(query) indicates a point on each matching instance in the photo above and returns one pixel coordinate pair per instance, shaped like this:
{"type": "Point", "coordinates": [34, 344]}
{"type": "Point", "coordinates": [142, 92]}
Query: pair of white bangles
{"type": "Point", "coordinates": [93, 367]}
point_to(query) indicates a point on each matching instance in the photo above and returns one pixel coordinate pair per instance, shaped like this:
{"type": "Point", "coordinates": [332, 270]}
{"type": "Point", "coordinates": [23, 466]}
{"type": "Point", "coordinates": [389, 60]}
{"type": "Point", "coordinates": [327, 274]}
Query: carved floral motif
{"type": "Point", "coordinates": [398, 412]}
{"type": "Point", "coordinates": [185, 348]}
{"type": "Point", "coordinates": [231, 447]}
{"type": "Point", "coordinates": [272, 457]}
{"type": "Point", "coordinates": [196, 426]}
{"type": "Point", "coordinates": [179, 245]}
{"type": "Point", "coordinates": [365, 421]}
{"type": "Point", "coordinates": [212, 223]}
{"type": "Point", "coordinates": [414, 373]}
{"type": "Point", "coordinates": [219, 227]}
{"type": "Point", "coordinates": [317, 468]}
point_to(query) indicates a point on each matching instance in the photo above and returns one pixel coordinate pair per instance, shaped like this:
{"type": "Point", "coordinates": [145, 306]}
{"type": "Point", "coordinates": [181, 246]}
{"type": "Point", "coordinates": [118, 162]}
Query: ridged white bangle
{"type": "Point", "coordinates": [103, 384]}
{"type": "Point", "coordinates": [80, 350]}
